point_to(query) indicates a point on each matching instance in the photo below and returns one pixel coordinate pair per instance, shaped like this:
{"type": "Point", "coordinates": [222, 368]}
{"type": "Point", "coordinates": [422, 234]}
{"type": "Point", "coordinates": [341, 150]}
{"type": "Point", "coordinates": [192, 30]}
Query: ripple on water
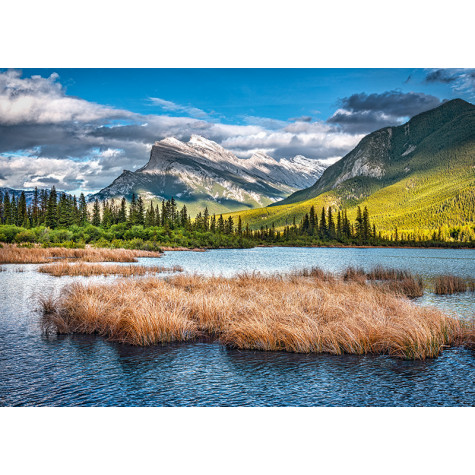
{"type": "Point", "coordinates": [89, 371]}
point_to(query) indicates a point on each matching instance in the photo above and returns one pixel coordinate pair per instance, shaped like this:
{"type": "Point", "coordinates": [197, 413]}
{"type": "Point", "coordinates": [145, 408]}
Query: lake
{"type": "Point", "coordinates": [37, 370]}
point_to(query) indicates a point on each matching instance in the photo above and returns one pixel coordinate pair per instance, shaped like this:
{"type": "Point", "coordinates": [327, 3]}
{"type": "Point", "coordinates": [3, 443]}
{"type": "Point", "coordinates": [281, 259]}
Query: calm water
{"type": "Point", "coordinates": [89, 371]}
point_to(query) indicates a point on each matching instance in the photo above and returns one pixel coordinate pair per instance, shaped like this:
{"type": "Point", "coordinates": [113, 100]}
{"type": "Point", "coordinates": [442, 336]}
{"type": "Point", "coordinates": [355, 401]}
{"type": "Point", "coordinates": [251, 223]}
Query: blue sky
{"type": "Point", "coordinates": [79, 128]}
{"type": "Point", "coordinates": [235, 93]}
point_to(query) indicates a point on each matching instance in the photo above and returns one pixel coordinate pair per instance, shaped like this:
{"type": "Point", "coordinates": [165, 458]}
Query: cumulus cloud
{"type": "Point", "coordinates": [48, 137]}
{"type": "Point", "coordinates": [363, 113]}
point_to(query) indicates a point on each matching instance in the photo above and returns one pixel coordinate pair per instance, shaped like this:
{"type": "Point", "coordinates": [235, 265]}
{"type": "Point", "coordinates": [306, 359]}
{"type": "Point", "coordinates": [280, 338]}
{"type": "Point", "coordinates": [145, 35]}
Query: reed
{"type": "Point", "coordinates": [399, 282]}
{"type": "Point", "coordinates": [59, 269]}
{"type": "Point", "coordinates": [385, 273]}
{"type": "Point", "coordinates": [449, 284]}
{"type": "Point", "coordinates": [12, 254]}
{"type": "Point", "coordinates": [255, 311]}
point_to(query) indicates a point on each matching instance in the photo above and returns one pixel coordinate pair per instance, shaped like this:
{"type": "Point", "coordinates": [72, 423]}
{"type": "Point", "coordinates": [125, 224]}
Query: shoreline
{"type": "Point", "coordinates": [336, 246]}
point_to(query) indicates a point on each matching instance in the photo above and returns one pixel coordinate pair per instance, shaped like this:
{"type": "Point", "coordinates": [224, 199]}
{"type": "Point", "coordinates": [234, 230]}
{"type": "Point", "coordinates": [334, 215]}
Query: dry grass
{"type": "Point", "coordinates": [399, 282]}
{"type": "Point", "coordinates": [59, 269]}
{"type": "Point", "coordinates": [11, 254]}
{"type": "Point", "coordinates": [253, 311]}
{"type": "Point", "coordinates": [449, 284]}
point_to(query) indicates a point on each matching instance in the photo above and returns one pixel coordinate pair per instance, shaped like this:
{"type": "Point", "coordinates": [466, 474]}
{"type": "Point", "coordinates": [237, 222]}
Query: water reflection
{"type": "Point", "coordinates": [83, 370]}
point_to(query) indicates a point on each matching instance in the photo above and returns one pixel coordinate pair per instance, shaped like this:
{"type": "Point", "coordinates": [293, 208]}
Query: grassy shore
{"type": "Point", "coordinates": [12, 254]}
{"type": "Point", "coordinates": [307, 311]}
{"type": "Point", "coordinates": [59, 269]}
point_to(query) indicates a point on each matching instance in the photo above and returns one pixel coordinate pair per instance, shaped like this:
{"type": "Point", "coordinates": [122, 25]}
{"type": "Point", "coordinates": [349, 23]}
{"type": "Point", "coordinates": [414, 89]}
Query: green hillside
{"type": "Point", "coordinates": [427, 181]}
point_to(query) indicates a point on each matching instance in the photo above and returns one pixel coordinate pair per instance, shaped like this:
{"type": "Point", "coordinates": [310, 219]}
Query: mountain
{"type": "Point", "coordinates": [201, 173]}
{"type": "Point", "coordinates": [16, 193]}
{"type": "Point", "coordinates": [419, 175]}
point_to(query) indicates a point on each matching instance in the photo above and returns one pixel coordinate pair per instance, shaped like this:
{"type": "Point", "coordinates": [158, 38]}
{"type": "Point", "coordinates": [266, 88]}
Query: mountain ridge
{"type": "Point", "coordinates": [202, 173]}
{"type": "Point", "coordinates": [418, 177]}
{"type": "Point", "coordinates": [385, 145]}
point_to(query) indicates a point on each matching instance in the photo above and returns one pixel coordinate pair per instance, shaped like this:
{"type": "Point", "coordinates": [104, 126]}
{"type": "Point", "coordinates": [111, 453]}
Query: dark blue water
{"type": "Point", "coordinates": [79, 370]}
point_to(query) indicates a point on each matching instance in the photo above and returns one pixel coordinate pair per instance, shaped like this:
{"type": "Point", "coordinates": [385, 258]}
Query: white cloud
{"type": "Point", "coordinates": [43, 101]}
{"type": "Point", "coordinates": [173, 107]}
{"type": "Point", "coordinates": [49, 137]}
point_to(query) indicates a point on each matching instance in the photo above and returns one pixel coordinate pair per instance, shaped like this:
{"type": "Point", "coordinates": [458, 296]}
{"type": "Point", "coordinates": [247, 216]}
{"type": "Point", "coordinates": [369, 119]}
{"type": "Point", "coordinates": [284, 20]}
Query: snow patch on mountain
{"type": "Point", "coordinates": [203, 169]}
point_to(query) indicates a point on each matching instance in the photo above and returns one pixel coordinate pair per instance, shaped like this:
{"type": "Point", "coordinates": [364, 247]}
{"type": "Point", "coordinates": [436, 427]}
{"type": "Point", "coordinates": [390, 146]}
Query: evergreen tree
{"type": "Point", "coordinates": [331, 224]}
{"type": "Point", "coordinates": [96, 213]}
{"type": "Point", "coordinates": [221, 224]}
{"type": "Point", "coordinates": [359, 224]}
{"type": "Point", "coordinates": [133, 210]}
{"type": "Point", "coordinates": [323, 230]}
{"type": "Point", "coordinates": [7, 210]}
{"type": "Point", "coordinates": [339, 228]}
{"type": "Point", "coordinates": [22, 211]}
{"type": "Point", "coordinates": [140, 218]}
{"type": "Point", "coordinates": [51, 219]}
{"type": "Point", "coordinates": [83, 214]}
{"type": "Point", "coordinates": [150, 216]}
{"type": "Point", "coordinates": [312, 218]}
{"type": "Point", "coordinates": [35, 208]}
{"type": "Point", "coordinates": [366, 225]}
{"type": "Point", "coordinates": [206, 219]}
{"type": "Point", "coordinates": [122, 215]}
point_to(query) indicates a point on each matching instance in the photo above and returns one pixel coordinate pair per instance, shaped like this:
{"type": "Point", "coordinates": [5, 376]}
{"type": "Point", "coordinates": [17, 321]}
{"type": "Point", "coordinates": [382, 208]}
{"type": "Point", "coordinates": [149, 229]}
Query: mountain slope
{"type": "Point", "coordinates": [418, 176]}
{"type": "Point", "coordinates": [201, 173]}
{"type": "Point", "coordinates": [17, 193]}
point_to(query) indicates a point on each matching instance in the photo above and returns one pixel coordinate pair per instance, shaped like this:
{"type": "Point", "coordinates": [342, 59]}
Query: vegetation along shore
{"type": "Point", "coordinates": [305, 311]}
{"type": "Point", "coordinates": [62, 220]}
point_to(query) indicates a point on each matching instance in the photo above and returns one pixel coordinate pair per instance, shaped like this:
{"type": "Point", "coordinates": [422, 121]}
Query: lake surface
{"type": "Point", "coordinates": [80, 370]}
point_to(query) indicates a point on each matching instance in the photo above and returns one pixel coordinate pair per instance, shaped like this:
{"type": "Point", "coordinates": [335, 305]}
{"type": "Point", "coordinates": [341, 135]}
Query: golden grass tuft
{"type": "Point", "coordinates": [59, 269]}
{"type": "Point", "coordinates": [12, 254]}
{"type": "Point", "coordinates": [256, 311]}
{"type": "Point", "coordinates": [399, 282]}
{"type": "Point", "coordinates": [449, 284]}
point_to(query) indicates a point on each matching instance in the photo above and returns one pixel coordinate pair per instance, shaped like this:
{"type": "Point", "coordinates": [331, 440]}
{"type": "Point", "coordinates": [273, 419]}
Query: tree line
{"type": "Point", "coordinates": [167, 222]}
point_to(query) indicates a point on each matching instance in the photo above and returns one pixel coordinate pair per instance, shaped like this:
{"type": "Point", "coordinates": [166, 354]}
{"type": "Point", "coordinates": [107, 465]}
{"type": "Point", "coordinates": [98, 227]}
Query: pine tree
{"type": "Point", "coordinates": [339, 228]}
{"type": "Point", "coordinates": [35, 208]}
{"type": "Point", "coordinates": [96, 213]}
{"type": "Point", "coordinates": [312, 220]}
{"type": "Point", "coordinates": [51, 219]}
{"type": "Point", "coordinates": [359, 224]}
{"type": "Point", "coordinates": [206, 219]}
{"type": "Point", "coordinates": [221, 224]}
{"type": "Point", "coordinates": [22, 211]}
{"type": "Point", "coordinates": [366, 225]}
{"type": "Point", "coordinates": [133, 210]}
{"type": "Point", "coordinates": [184, 216]}
{"type": "Point", "coordinates": [323, 230]}
{"type": "Point", "coordinates": [331, 224]}
{"type": "Point", "coordinates": [7, 210]}
{"type": "Point", "coordinates": [106, 215]}
{"type": "Point", "coordinates": [83, 214]}
{"type": "Point", "coordinates": [140, 219]}
{"type": "Point", "coordinates": [122, 214]}
{"type": "Point", "coordinates": [150, 216]}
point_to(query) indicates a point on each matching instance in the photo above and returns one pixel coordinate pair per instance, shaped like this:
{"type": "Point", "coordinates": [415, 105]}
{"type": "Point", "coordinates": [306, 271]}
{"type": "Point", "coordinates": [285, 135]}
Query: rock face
{"type": "Point", "coordinates": [390, 154]}
{"type": "Point", "coordinates": [201, 173]}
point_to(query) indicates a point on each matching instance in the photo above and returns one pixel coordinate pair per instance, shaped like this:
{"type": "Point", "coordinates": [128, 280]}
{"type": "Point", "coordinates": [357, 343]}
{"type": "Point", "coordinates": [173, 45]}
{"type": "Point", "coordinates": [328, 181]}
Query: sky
{"type": "Point", "coordinates": [78, 129]}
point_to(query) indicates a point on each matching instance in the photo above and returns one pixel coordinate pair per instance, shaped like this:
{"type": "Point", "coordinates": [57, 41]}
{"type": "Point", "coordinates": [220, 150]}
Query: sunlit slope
{"type": "Point", "coordinates": [432, 186]}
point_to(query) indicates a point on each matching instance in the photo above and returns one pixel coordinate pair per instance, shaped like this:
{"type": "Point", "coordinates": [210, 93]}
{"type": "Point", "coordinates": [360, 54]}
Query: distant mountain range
{"type": "Point", "coordinates": [202, 173]}
{"type": "Point", "coordinates": [419, 175]}
{"type": "Point", "coordinates": [16, 193]}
